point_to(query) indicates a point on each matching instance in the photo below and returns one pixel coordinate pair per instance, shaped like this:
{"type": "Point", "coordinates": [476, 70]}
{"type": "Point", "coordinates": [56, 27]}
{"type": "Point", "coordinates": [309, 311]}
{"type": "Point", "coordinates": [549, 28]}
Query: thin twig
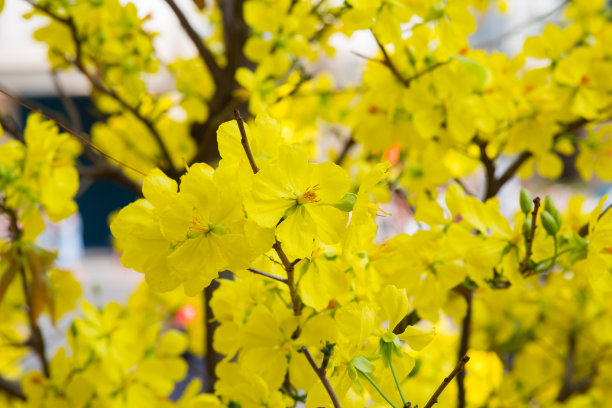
{"type": "Point", "coordinates": [489, 166]}
{"type": "Point", "coordinates": [496, 40]}
{"type": "Point", "coordinates": [267, 275]}
{"type": "Point", "coordinates": [245, 141]}
{"type": "Point", "coordinates": [287, 264]}
{"type": "Point", "coordinates": [36, 341]}
{"type": "Point", "coordinates": [205, 54]}
{"type": "Point", "coordinates": [464, 345]}
{"type": "Point", "coordinates": [365, 57]}
{"type": "Point", "coordinates": [69, 105]}
{"type": "Point", "coordinates": [322, 376]}
{"type": "Point", "coordinates": [12, 388]}
{"type": "Point", "coordinates": [100, 86]}
{"type": "Point", "coordinates": [389, 63]}
{"type": "Point", "coordinates": [458, 369]}
{"type": "Point", "coordinates": [584, 230]}
{"type": "Point", "coordinates": [510, 171]}
{"type": "Point", "coordinates": [524, 267]}
{"type": "Point", "coordinates": [427, 70]}
{"type": "Point", "coordinates": [570, 386]}
{"type": "Point", "coordinates": [67, 129]}
{"type": "Point", "coordinates": [350, 142]}
{"type": "Point", "coordinates": [101, 168]}
{"type": "Point", "coordinates": [523, 157]}
{"type": "Point", "coordinates": [290, 269]}
{"type": "Point", "coordinates": [10, 126]}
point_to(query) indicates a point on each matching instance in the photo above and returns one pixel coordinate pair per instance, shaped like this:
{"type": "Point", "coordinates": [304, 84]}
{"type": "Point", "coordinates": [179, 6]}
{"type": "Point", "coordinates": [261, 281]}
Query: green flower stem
{"type": "Point", "coordinates": [397, 383]}
{"type": "Point", "coordinates": [382, 394]}
{"type": "Point", "coordinates": [565, 251]}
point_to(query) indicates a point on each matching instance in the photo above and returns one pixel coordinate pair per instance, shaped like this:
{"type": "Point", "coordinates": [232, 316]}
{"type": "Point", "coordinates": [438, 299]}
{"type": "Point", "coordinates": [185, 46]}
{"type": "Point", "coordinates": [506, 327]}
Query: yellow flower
{"type": "Point", "coordinates": [301, 195]}
{"type": "Point", "coordinates": [195, 233]}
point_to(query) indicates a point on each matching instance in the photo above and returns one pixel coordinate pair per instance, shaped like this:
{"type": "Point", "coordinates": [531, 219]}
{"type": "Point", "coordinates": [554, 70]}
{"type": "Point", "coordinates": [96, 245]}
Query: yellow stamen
{"type": "Point", "coordinates": [196, 225]}
{"type": "Point", "coordinates": [376, 211]}
{"type": "Point", "coordinates": [309, 196]}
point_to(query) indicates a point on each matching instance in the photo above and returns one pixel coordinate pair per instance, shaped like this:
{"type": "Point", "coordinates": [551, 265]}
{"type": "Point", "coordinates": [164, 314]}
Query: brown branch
{"type": "Point", "coordinates": [103, 170]}
{"type": "Point", "coordinates": [287, 264]}
{"type": "Point", "coordinates": [464, 345]}
{"type": "Point", "coordinates": [97, 84]}
{"type": "Point", "coordinates": [68, 103]}
{"type": "Point", "coordinates": [169, 167]}
{"type": "Point", "coordinates": [36, 340]}
{"type": "Point", "coordinates": [365, 57]}
{"type": "Point", "coordinates": [10, 126]}
{"type": "Point", "coordinates": [427, 70]}
{"type": "Point", "coordinates": [12, 388]}
{"type": "Point", "coordinates": [245, 141]}
{"type": "Point", "coordinates": [235, 34]}
{"type": "Point", "coordinates": [489, 165]}
{"type": "Point", "coordinates": [48, 12]}
{"type": "Point", "coordinates": [510, 171]}
{"type": "Point", "coordinates": [322, 376]}
{"type": "Point", "coordinates": [345, 149]}
{"type": "Point", "coordinates": [584, 230]}
{"type": "Point", "coordinates": [389, 63]}
{"type": "Point", "coordinates": [267, 275]}
{"type": "Point", "coordinates": [447, 380]}
{"type": "Point", "coordinates": [290, 269]}
{"type": "Point", "coordinates": [524, 267]}
{"type": "Point", "coordinates": [523, 157]}
{"type": "Point", "coordinates": [205, 54]}
{"type": "Point", "coordinates": [409, 320]}
{"type": "Point", "coordinates": [496, 40]}
{"type": "Point", "coordinates": [570, 386]}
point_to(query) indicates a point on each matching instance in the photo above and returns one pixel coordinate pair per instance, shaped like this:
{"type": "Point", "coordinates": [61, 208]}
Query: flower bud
{"type": "Point", "coordinates": [549, 223]}
{"type": "Point", "coordinates": [525, 201]}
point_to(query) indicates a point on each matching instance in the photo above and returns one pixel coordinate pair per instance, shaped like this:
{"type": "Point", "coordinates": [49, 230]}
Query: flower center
{"type": "Point", "coordinates": [309, 196]}
{"type": "Point", "coordinates": [196, 225]}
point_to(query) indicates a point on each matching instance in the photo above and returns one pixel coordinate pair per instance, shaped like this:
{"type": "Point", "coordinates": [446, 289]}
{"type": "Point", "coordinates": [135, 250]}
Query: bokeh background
{"type": "Point", "coordinates": [83, 241]}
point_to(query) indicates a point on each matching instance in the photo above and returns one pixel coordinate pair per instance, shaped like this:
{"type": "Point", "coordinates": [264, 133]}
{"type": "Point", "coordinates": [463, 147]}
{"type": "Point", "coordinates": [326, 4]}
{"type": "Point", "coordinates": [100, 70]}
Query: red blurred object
{"type": "Point", "coordinates": [393, 154]}
{"type": "Point", "coordinates": [187, 314]}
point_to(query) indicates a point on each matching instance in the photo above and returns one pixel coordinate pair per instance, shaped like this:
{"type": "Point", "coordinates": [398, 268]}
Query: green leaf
{"type": "Point", "coordinates": [346, 203]}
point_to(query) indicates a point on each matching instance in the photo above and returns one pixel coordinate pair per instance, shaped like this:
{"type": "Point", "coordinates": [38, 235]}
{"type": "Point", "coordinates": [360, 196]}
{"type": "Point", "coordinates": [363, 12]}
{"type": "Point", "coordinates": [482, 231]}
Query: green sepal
{"type": "Point", "coordinates": [346, 203]}
{"type": "Point", "coordinates": [362, 364]}
{"type": "Point", "coordinates": [388, 345]}
{"type": "Point", "coordinates": [219, 230]}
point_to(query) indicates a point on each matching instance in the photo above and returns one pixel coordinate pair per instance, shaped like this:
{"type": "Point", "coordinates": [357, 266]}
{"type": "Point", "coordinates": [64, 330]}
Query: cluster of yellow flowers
{"type": "Point", "coordinates": [319, 311]}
